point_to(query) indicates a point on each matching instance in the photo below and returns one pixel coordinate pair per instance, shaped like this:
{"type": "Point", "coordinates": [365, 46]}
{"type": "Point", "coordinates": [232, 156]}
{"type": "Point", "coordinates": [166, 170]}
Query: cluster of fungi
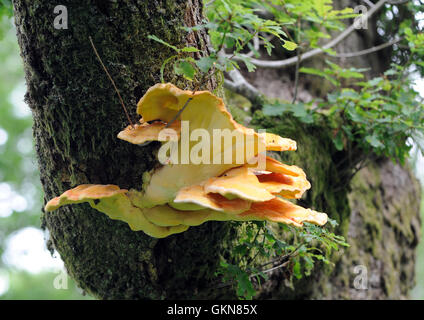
{"type": "Point", "coordinates": [177, 194]}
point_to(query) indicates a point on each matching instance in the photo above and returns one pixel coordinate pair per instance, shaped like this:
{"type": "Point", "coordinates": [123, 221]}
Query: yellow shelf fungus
{"type": "Point", "coordinates": [213, 169]}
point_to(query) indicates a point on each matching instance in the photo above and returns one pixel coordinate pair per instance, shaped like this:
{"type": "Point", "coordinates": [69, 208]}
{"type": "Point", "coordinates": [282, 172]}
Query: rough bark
{"type": "Point", "coordinates": [77, 116]}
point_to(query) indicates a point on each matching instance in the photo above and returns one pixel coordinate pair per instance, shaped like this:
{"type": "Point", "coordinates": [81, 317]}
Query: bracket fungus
{"type": "Point", "coordinates": [213, 169]}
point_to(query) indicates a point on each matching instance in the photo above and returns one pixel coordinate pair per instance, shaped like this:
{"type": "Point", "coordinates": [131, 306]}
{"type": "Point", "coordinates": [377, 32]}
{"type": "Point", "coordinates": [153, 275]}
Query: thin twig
{"type": "Point", "coordinates": [180, 111]}
{"type": "Point", "coordinates": [282, 263]}
{"type": "Point", "coordinates": [368, 51]}
{"type": "Point", "coordinates": [296, 79]}
{"type": "Point", "coordinates": [397, 2]}
{"type": "Point", "coordinates": [271, 269]}
{"type": "Point", "coordinates": [111, 80]}
{"type": "Point", "coordinates": [299, 57]}
{"type": "Point", "coordinates": [281, 258]}
{"type": "Point", "coordinates": [254, 240]}
{"type": "Point", "coordinates": [365, 161]}
{"type": "Point", "coordinates": [196, 88]}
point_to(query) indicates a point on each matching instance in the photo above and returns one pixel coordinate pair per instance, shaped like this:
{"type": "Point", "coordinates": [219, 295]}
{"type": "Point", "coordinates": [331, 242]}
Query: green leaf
{"type": "Point", "coordinates": [375, 81]}
{"type": "Point", "coordinates": [338, 141]}
{"type": "Point", "coordinates": [250, 66]}
{"type": "Point", "coordinates": [390, 72]}
{"type": "Point", "coordinates": [205, 63]}
{"type": "Point", "coordinates": [268, 45]}
{"type": "Point", "coordinates": [355, 115]}
{"type": "Point", "coordinates": [245, 287]}
{"type": "Point", "coordinates": [185, 69]}
{"type": "Point", "coordinates": [298, 110]}
{"type": "Point", "coordinates": [275, 109]}
{"type": "Point", "coordinates": [189, 49]}
{"type": "Point", "coordinates": [153, 37]}
{"type": "Point", "coordinates": [374, 141]}
{"type": "Point", "coordinates": [320, 73]}
{"type": "Point", "coordinates": [350, 73]}
{"type": "Point", "coordinates": [215, 38]}
{"type": "Point", "coordinates": [289, 45]}
{"type": "Point", "coordinates": [297, 269]}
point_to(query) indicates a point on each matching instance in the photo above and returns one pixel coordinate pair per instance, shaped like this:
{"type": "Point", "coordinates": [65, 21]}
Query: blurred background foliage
{"type": "Point", "coordinates": [27, 269]}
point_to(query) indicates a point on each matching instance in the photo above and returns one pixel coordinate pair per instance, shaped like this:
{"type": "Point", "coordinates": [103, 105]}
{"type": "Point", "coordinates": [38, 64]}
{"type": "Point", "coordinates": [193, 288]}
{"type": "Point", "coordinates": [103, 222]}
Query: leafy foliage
{"type": "Point", "coordinates": [21, 194]}
{"type": "Point", "coordinates": [381, 115]}
{"type": "Point", "coordinates": [377, 115]}
{"type": "Point", "coordinates": [6, 8]}
{"type": "Point", "coordinates": [6, 12]}
{"type": "Point", "coordinates": [18, 172]}
{"type": "Point", "coordinates": [231, 25]}
{"type": "Point", "coordinates": [296, 255]}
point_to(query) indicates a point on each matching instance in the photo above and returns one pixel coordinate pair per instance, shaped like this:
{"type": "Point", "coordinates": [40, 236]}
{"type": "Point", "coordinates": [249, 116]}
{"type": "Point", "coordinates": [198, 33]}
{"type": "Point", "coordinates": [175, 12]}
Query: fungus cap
{"type": "Point", "coordinates": [276, 143]}
{"type": "Point", "coordinates": [197, 195]}
{"type": "Point", "coordinates": [113, 201]}
{"type": "Point", "coordinates": [83, 193]}
{"type": "Point", "coordinates": [280, 210]}
{"type": "Point", "coordinates": [144, 131]}
{"type": "Point", "coordinates": [238, 182]}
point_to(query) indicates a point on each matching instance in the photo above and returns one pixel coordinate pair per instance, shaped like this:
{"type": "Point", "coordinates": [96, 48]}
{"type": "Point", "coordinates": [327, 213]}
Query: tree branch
{"type": "Point", "coordinates": [396, 2]}
{"type": "Point", "coordinates": [369, 50]}
{"type": "Point", "coordinates": [299, 59]}
{"type": "Point", "coordinates": [369, 3]}
{"type": "Point", "coordinates": [240, 85]}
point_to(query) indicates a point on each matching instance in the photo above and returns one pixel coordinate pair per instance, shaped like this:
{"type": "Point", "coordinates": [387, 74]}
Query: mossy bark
{"type": "Point", "coordinates": [77, 116]}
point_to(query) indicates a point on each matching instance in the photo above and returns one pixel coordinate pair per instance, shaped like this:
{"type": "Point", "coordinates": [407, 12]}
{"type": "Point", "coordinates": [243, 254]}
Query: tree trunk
{"type": "Point", "coordinates": [77, 117]}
